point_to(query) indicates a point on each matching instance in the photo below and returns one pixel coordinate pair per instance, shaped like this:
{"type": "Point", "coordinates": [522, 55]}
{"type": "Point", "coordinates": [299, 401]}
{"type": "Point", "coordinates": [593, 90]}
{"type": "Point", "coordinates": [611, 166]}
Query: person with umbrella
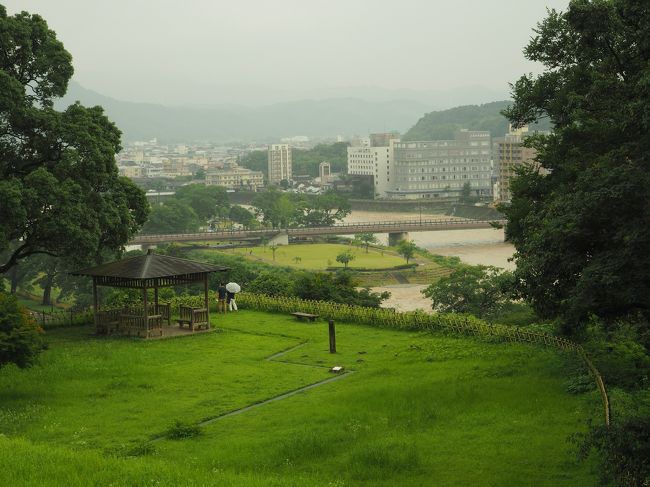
{"type": "Point", "coordinates": [232, 288]}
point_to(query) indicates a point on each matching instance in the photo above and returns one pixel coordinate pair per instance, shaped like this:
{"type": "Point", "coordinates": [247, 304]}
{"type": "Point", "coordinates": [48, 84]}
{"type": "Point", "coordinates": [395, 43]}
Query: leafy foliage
{"type": "Point", "coordinates": [582, 230]}
{"type": "Point", "coordinates": [281, 210]}
{"type": "Point", "coordinates": [624, 448]}
{"type": "Point", "coordinates": [60, 192]}
{"type": "Point", "coordinates": [172, 216]}
{"type": "Point", "coordinates": [366, 239]}
{"type": "Point", "coordinates": [20, 337]}
{"type": "Point", "coordinates": [306, 161]}
{"type": "Point", "coordinates": [478, 290]}
{"type": "Point", "coordinates": [338, 288]}
{"type": "Point", "coordinates": [406, 249]}
{"type": "Point", "coordinates": [442, 125]}
{"type": "Point", "coordinates": [345, 258]}
{"type": "Point", "coordinates": [206, 201]}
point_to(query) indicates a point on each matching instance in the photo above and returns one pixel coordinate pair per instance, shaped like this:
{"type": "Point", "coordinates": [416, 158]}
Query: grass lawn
{"type": "Point", "coordinates": [417, 409]}
{"type": "Point", "coordinates": [321, 256]}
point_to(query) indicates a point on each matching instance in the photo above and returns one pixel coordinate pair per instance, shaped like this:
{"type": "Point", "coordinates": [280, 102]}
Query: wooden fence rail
{"type": "Point", "coordinates": [418, 320]}
{"type": "Point", "coordinates": [52, 319]}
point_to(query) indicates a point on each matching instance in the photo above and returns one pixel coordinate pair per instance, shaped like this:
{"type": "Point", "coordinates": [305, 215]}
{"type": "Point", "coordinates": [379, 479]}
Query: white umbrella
{"type": "Point", "coordinates": [233, 287]}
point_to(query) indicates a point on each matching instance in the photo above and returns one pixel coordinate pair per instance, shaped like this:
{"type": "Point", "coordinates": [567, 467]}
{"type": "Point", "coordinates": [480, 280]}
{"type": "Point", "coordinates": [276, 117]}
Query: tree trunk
{"type": "Point", "coordinates": [47, 290]}
{"type": "Point", "coordinates": [13, 275]}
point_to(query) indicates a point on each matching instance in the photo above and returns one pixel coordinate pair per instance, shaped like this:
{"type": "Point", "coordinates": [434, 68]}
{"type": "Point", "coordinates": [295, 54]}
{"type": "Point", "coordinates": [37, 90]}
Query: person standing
{"type": "Point", "coordinates": [221, 298]}
{"type": "Point", "coordinates": [231, 301]}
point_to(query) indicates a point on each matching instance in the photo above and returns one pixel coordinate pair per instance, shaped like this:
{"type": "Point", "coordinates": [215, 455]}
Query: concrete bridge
{"type": "Point", "coordinates": [396, 230]}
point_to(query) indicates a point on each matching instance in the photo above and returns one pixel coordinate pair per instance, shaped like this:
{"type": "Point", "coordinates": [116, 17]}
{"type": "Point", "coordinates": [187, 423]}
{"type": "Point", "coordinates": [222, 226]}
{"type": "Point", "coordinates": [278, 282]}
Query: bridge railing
{"type": "Point", "coordinates": [377, 226]}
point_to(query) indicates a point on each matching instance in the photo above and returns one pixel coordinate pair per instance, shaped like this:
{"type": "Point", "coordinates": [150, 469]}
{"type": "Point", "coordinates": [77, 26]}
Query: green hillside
{"type": "Point", "coordinates": [442, 125]}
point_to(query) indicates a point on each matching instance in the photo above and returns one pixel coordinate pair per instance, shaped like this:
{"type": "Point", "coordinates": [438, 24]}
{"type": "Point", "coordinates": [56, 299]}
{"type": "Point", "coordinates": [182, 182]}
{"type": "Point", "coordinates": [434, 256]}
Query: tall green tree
{"type": "Point", "coordinates": [406, 248]}
{"type": "Point", "coordinates": [60, 193]}
{"type": "Point", "coordinates": [323, 210]}
{"type": "Point", "coordinates": [20, 337]}
{"type": "Point", "coordinates": [581, 221]}
{"type": "Point", "coordinates": [206, 201]}
{"type": "Point", "coordinates": [173, 216]}
{"type": "Point", "coordinates": [345, 258]}
{"type": "Point", "coordinates": [366, 239]}
{"type": "Point", "coordinates": [478, 290]}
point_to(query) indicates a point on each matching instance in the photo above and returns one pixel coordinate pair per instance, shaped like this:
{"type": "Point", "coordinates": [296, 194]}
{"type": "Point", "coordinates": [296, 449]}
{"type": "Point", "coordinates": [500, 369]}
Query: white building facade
{"type": "Point", "coordinates": [367, 159]}
{"type": "Point", "coordinates": [441, 168]}
{"type": "Point", "coordinates": [279, 163]}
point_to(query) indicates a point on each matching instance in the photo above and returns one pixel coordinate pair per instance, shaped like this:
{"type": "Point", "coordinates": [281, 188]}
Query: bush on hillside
{"type": "Point", "coordinates": [20, 336]}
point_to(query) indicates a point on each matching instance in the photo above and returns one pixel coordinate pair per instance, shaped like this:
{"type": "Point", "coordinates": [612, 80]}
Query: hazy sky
{"type": "Point", "coordinates": [218, 51]}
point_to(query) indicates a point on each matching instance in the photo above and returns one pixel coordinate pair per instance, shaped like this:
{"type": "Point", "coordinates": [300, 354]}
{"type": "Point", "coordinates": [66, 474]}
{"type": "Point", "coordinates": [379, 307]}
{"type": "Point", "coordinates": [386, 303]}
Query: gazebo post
{"type": "Point", "coordinates": [155, 296]}
{"type": "Point", "coordinates": [146, 311]}
{"type": "Point", "coordinates": [205, 297]}
{"type": "Point", "coordinates": [95, 305]}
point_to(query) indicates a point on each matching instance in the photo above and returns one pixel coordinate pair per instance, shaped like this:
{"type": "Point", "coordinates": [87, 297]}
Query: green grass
{"type": "Point", "coordinates": [418, 410]}
{"type": "Point", "coordinates": [321, 256]}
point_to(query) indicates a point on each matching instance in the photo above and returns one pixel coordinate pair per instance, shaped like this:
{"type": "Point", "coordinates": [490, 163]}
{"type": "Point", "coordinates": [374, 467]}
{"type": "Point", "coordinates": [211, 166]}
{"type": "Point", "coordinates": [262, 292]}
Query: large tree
{"type": "Point", "coordinates": [478, 290]}
{"type": "Point", "coordinates": [60, 193]}
{"type": "Point", "coordinates": [580, 221]}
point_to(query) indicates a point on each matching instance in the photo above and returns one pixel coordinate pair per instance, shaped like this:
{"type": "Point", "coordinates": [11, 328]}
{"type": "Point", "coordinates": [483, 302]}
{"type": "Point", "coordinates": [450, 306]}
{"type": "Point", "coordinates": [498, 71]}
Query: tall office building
{"type": "Point", "coordinates": [441, 168]}
{"type": "Point", "coordinates": [279, 163]}
{"type": "Point", "coordinates": [372, 157]}
{"type": "Point", "coordinates": [509, 154]}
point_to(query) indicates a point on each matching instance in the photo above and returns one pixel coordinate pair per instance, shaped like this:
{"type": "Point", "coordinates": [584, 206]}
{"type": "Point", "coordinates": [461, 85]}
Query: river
{"type": "Point", "coordinates": [482, 246]}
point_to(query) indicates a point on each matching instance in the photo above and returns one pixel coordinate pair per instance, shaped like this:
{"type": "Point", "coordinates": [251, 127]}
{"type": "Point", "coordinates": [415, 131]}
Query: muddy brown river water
{"type": "Point", "coordinates": [483, 246]}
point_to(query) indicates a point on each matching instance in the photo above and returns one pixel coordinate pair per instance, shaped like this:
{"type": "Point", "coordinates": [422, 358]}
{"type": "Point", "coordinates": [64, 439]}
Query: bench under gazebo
{"type": "Point", "coordinates": [145, 272]}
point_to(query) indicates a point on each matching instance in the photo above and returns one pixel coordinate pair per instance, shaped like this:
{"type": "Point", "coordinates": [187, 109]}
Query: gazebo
{"type": "Point", "coordinates": [150, 271]}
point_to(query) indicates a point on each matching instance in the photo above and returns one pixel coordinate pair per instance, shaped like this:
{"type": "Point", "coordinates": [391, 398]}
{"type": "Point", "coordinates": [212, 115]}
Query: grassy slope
{"type": "Point", "coordinates": [419, 410]}
{"type": "Point", "coordinates": [320, 256]}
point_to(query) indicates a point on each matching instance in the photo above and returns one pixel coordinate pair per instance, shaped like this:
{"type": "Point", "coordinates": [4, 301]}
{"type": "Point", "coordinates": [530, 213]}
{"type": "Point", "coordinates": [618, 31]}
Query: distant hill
{"type": "Point", "coordinates": [442, 125]}
{"type": "Point", "coordinates": [314, 118]}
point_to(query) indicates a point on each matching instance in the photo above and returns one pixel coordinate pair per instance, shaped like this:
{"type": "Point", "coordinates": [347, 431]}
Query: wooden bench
{"type": "Point", "coordinates": [193, 317]}
{"type": "Point", "coordinates": [304, 316]}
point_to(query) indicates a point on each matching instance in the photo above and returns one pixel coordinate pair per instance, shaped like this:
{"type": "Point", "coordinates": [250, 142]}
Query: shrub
{"type": "Point", "coordinates": [624, 448]}
{"type": "Point", "coordinates": [20, 337]}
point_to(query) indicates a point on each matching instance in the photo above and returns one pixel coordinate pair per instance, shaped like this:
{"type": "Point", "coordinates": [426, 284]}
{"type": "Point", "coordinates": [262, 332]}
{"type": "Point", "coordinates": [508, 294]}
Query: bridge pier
{"type": "Point", "coordinates": [396, 237]}
{"type": "Point", "coordinates": [145, 247]}
{"type": "Point", "coordinates": [281, 238]}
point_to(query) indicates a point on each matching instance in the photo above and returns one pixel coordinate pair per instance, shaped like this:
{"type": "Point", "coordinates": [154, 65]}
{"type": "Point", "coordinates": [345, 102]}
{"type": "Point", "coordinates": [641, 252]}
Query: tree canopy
{"type": "Point", "coordinates": [289, 209]}
{"type": "Point", "coordinates": [173, 216]}
{"type": "Point", "coordinates": [60, 193]}
{"type": "Point", "coordinates": [581, 228]}
{"type": "Point", "coordinates": [478, 290]}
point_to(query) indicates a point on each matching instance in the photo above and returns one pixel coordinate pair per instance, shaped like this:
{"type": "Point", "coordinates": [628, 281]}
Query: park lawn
{"type": "Point", "coordinates": [417, 409]}
{"type": "Point", "coordinates": [321, 256]}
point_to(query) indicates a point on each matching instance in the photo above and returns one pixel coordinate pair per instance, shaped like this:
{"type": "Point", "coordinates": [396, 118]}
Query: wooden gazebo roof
{"type": "Point", "coordinates": [150, 270]}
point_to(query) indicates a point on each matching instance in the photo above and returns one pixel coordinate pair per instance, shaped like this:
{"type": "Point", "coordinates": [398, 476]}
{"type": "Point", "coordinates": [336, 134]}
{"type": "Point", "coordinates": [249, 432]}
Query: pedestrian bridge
{"type": "Point", "coordinates": [397, 230]}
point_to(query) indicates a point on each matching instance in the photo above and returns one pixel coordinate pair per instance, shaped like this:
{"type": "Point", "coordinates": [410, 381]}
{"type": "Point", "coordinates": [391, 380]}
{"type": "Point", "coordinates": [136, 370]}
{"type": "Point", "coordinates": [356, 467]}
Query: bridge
{"type": "Point", "coordinates": [397, 230]}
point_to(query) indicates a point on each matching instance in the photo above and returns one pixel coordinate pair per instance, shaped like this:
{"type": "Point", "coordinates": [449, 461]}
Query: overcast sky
{"type": "Point", "coordinates": [176, 52]}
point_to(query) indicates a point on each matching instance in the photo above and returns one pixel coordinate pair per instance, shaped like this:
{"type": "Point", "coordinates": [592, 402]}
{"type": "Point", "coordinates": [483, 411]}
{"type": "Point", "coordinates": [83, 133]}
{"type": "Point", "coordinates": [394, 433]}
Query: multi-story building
{"type": "Point", "coordinates": [372, 157]}
{"type": "Point", "coordinates": [324, 172]}
{"type": "Point", "coordinates": [279, 157]}
{"type": "Point", "coordinates": [440, 168]}
{"type": "Point", "coordinates": [509, 154]}
{"type": "Point", "coordinates": [232, 176]}
{"type": "Point", "coordinates": [131, 171]}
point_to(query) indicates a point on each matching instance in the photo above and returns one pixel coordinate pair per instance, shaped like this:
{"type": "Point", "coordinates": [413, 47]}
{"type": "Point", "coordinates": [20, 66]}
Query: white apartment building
{"type": "Point", "coordinates": [510, 154]}
{"type": "Point", "coordinates": [440, 168]}
{"type": "Point", "coordinates": [373, 157]}
{"type": "Point", "coordinates": [279, 160]}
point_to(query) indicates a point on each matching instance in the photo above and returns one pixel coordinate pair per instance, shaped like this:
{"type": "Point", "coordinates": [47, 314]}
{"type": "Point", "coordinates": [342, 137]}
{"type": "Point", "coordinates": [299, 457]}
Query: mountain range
{"type": "Point", "coordinates": [315, 117]}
